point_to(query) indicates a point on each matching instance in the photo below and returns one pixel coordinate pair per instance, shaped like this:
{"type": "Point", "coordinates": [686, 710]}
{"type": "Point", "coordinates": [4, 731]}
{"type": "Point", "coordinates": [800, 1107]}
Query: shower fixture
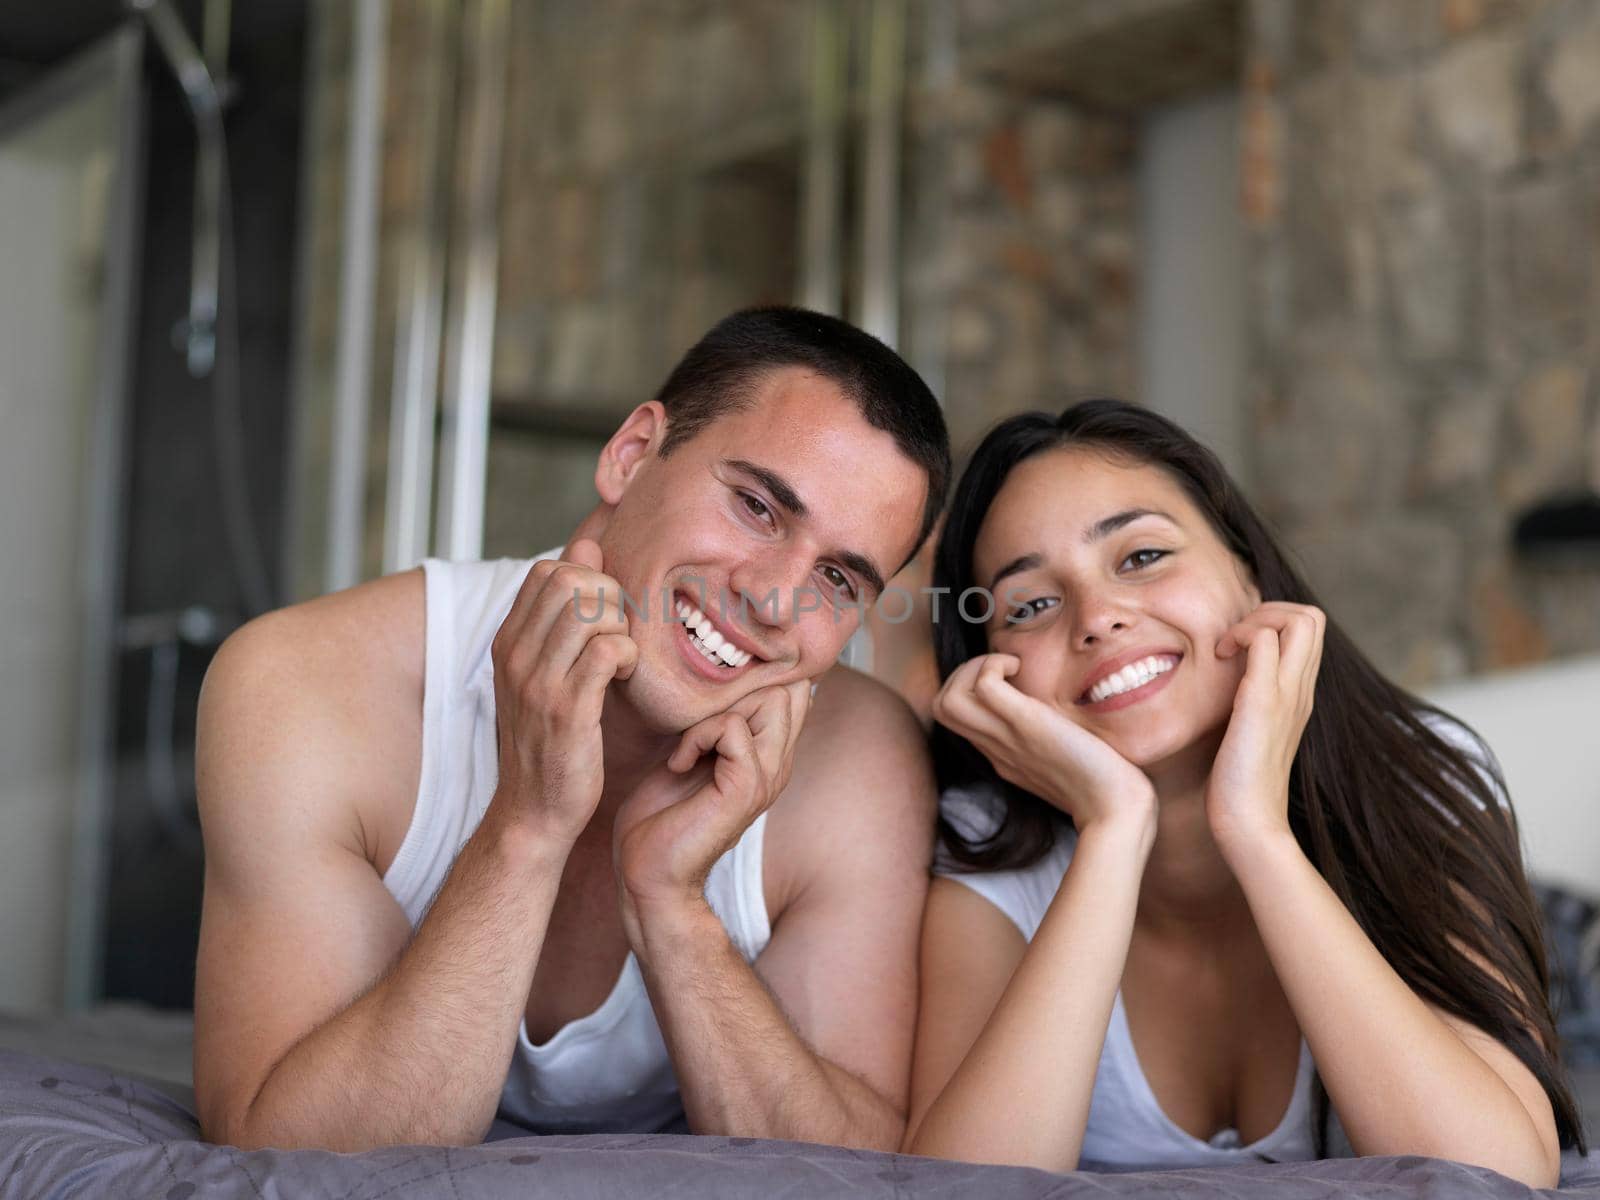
{"type": "Point", "coordinates": [206, 90]}
{"type": "Point", "coordinates": [209, 336]}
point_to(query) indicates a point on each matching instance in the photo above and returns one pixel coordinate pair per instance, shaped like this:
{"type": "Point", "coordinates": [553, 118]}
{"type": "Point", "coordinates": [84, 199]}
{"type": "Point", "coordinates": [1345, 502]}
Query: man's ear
{"type": "Point", "coordinates": [630, 447]}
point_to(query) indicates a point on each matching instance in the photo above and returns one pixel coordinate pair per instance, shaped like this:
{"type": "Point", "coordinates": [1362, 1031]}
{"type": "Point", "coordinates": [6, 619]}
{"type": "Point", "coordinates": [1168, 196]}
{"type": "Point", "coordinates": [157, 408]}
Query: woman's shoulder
{"type": "Point", "coordinates": [975, 813]}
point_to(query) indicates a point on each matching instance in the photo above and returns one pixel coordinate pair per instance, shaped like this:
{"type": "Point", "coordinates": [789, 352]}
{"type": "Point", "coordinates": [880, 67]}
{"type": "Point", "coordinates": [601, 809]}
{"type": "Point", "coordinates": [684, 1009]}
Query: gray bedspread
{"type": "Point", "coordinates": [73, 1130]}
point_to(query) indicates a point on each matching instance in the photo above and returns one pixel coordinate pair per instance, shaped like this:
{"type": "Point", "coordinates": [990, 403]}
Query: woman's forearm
{"type": "Point", "coordinates": [1021, 1095]}
{"type": "Point", "coordinates": [1400, 1078]}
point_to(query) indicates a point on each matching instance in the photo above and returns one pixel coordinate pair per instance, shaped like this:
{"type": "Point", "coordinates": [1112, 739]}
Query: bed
{"type": "Point", "coordinates": [70, 1128]}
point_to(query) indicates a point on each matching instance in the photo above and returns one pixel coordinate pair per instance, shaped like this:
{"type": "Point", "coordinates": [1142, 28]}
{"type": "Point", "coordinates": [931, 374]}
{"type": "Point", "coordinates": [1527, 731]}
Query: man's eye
{"type": "Point", "coordinates": [839, 580]}
{"type": "Point", "coordinates": [1143, 558]}
{"type": "Point", "coordinates": [756, 506]}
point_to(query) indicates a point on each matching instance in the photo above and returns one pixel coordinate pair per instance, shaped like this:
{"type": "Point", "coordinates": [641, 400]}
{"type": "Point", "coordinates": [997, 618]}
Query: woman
{"type": "Point", "coordinates": [1205, 870]}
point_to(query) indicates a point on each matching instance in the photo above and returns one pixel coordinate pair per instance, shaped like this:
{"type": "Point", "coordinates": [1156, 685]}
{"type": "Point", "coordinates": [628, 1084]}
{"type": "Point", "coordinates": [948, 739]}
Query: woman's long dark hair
{"type": "Point", "coordinates": [1407, 829]}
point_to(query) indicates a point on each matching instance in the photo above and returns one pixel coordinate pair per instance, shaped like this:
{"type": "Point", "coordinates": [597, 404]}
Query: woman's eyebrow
{"type": "Point", "coordinates": [1102, 528]}
{"type": "Point", "coordinates": [1026, 562]}
{"type": "Point", "coordinates": [1106, 526]}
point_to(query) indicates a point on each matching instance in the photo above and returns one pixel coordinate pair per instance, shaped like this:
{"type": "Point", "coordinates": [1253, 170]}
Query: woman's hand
{"type": "Point", "coordinates": [1248, 793]}
{"type": "Point", "coordinates": [1038, 748]}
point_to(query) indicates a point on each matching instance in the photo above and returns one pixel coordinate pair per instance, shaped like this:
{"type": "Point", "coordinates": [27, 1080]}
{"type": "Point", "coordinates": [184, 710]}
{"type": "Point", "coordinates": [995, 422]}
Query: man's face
{"type": "Point", "coordinates": [775, 526]}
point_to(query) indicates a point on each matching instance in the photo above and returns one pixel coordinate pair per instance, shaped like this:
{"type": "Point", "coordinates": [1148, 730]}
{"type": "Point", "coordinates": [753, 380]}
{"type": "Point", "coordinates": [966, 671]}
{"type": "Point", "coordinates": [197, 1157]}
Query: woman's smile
{"type": "Point", "coordinates": [1127, 679]}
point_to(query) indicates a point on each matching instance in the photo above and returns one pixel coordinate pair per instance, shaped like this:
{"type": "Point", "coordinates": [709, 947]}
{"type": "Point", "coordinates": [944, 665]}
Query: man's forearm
{"type": "Point", "coordinates": [742, 1069]}
{"type": "Point", "coordinates": [421, 1056]}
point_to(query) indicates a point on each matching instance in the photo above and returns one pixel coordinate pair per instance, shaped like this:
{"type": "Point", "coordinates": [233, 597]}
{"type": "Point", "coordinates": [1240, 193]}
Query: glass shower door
{"type": "Point", "coordinates": [68, 159]}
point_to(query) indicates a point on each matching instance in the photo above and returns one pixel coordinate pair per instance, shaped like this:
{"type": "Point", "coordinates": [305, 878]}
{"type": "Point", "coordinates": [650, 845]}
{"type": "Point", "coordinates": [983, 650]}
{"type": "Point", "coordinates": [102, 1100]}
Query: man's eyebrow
{"type": "Point", "coordinates": [1106, 526]}
{"type": "Point", "coordinates": [790, 500]}
{"type": "Point", "coordinates": [774, 483]}
{"type": "Point", "coordinates": [1026, 562]}
{"type": "Point", "coordinates": [862, 566]}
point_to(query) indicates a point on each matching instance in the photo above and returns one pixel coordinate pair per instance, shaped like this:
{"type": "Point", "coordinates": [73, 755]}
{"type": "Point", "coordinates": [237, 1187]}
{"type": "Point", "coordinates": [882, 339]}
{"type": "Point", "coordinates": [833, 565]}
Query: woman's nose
{"type": "Point", "coordinates": [1100, 616]}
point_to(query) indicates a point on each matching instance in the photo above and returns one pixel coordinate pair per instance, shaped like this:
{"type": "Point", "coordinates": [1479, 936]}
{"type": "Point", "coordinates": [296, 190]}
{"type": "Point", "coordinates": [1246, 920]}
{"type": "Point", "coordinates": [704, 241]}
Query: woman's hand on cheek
{"type": "Point", "coordinates": [1248, 793]}
{"type": "Point", "coordinates": [1036, 747]}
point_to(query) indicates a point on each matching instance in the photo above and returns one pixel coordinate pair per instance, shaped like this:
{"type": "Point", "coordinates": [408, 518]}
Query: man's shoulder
{"type": "Point", "coordinates": [322, 698]}
{"type": "Point", "coordinates": [851, 710]}
{"type": "Point", "coordinates": [862, 759]}
{"type": "Point", "coordinates": [374, 629]}
{"type": "Point", "coordinates": [861, 800]}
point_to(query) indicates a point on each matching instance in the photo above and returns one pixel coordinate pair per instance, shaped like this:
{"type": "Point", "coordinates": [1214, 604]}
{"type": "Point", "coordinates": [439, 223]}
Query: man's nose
{"type": "Point", "coordinates": [774, 588]}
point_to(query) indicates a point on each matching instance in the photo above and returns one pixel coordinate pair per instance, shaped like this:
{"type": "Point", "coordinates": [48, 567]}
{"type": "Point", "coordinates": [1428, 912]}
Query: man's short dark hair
{"type": "Point", "coordinates": [720, 373]}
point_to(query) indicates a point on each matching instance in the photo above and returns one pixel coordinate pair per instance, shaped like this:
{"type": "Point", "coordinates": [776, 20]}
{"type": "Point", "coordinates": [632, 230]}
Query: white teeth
{"type": "Point", "coordinates": [1133, 675]}
{"type": "Point", "coordinates": [703, 636]}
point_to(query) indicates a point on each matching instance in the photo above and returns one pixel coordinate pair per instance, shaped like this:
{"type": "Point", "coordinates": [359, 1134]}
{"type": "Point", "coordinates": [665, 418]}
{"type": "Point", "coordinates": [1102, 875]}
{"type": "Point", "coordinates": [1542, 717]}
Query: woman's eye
{"type": "Point", "coordinates": [1143, 558]}
{"type": "Point", "coordinates": [1028, 609]}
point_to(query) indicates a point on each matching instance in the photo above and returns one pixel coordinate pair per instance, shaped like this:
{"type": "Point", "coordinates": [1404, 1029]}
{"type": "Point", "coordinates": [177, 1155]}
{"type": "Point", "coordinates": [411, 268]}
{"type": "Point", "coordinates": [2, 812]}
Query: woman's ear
{"type": "Point", "coordinates": [631, 446]}
{"type": "Point", "coordinates": [1247, 581]}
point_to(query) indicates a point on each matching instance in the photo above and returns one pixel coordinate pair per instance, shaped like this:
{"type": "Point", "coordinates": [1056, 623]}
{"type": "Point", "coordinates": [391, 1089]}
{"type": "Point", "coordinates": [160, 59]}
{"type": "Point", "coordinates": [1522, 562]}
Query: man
{"type": "Point", "coordinates": [489, 836]}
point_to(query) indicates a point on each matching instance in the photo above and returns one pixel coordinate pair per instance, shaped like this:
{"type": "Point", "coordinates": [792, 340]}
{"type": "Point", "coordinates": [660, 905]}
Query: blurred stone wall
{"type": "Point", "coordinates": [652, 161]}
{"type": "Point", "coordinates": [411, 37]}
{"type": "Point", "coordinates": [1420, 182]}
{"type": "Point", "coordinates": [1019, 286]}
{"type": "Point", "coordinates": [651, 185]}
{"type": "Point", "coordinates": [1422, 185]}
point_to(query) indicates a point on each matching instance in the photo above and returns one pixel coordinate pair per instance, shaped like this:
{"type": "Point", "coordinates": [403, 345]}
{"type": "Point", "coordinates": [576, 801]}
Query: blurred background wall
{"type": "Point", "coordinates": [1405, 337]}
{"type": "Point", "coordinates": [118, 578]}
{"type": "Point", "coordinates": [1354, 244]}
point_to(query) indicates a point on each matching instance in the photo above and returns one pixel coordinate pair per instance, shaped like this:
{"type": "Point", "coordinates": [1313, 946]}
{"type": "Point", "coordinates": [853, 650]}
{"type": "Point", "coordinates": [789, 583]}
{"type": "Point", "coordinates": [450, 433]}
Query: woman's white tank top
{"type": "Point", "coordinates": [1127, 1128]}
{"type": "Point", "coordinates": [608, 1071]}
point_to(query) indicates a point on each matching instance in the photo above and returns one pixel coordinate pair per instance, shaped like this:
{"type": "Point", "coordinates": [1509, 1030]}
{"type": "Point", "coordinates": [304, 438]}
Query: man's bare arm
{"type": "Point", "coordinates": [316, 1022]}
{"type": "Point", "coordinates": [813, 1044]}
{"type": "Point", "coordinates": [304, 1039]}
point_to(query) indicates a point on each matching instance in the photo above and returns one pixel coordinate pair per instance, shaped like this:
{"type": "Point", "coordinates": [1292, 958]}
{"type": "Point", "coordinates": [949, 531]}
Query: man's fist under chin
{"type": "Point", "coordinates": [724, 773]}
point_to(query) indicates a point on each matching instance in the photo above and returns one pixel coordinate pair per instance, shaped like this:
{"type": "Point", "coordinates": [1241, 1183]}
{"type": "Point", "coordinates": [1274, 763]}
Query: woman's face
{"type": "Point", "coordinates": [1113, 590]}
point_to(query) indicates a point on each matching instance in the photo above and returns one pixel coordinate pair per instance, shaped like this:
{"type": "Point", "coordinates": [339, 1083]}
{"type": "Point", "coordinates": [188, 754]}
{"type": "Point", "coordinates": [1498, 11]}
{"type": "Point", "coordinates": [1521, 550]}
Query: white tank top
{"type": "Point", "coordinates": [607, 1072]}
{"type": "Point", "coordinates": [1127, 1127]}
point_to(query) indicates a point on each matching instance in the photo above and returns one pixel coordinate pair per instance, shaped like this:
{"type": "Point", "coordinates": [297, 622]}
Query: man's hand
{"type": "Point", "coordinates": [563, 642]}
{"type": "Point", "coordinates": [812, 1040]}
{"type": "Point", "coordinates": [726, 771]}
